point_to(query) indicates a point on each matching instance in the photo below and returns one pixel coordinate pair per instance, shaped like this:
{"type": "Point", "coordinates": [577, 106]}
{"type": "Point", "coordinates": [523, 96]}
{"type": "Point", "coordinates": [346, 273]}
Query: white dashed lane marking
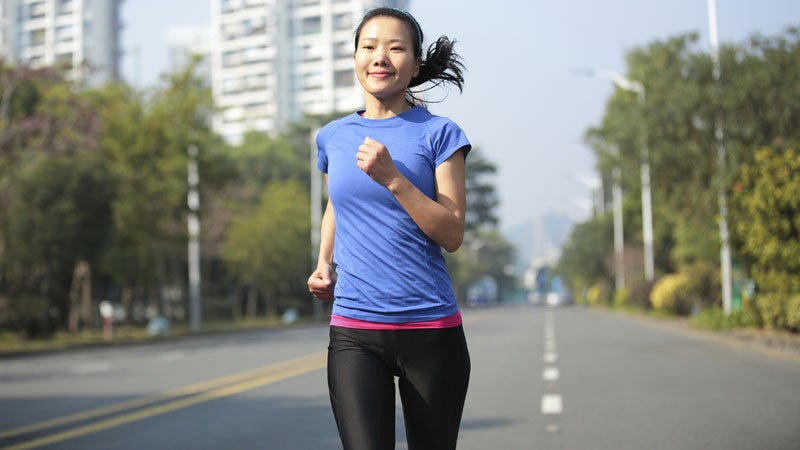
{"type": "Point", "coordinates": [552, 404]}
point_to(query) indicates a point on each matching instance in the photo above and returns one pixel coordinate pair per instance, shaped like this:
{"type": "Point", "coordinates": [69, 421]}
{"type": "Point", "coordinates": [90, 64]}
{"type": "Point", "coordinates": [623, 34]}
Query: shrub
{"type": "Point", "coordinates": [621, 298]}
{"type": "Point", "coordinates": [715, 319]}
{"type": "Point", "coordinates": [599, 294]}
{"type": "Point", "coordinates": [771, 309]}
{"type": "Point", "coordinates": [672, 294]}
{"type": "Point", "coordinates": [793, 312]}
{"type": "Point", "coordinates": [29, 316]}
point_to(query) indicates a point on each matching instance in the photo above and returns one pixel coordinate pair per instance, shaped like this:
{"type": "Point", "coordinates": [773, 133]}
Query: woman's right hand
{"type": "Point", "coordinates": [321, 282]}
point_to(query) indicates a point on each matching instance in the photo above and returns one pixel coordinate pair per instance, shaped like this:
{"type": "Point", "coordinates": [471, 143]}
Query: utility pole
{"type": "Point", "coordinates": [722, 198]}
{"type": "Point", "coordinates": [193, 225]}
{"type": "Point", "coordinates": [647, 204]}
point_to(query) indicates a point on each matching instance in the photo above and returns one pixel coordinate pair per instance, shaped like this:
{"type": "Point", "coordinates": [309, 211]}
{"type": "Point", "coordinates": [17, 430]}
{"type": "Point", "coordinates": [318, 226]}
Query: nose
{"type": "Point", "coordinates": [379, 57]}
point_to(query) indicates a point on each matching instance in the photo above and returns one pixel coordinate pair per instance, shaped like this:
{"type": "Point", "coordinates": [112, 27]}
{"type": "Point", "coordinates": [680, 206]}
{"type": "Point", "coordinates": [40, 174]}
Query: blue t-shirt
{"type": "Point", "coordinates": [388, 269]}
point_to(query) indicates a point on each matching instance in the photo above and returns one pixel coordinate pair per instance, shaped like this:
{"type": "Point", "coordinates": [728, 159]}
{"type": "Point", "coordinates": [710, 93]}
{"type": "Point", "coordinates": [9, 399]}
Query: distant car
{"type": "Point", "coordinates": [558, 298]}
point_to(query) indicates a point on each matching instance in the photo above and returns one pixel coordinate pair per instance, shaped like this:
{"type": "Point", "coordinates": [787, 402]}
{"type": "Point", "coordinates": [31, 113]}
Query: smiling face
{"type": "Point", "coordinates": [384, 59]}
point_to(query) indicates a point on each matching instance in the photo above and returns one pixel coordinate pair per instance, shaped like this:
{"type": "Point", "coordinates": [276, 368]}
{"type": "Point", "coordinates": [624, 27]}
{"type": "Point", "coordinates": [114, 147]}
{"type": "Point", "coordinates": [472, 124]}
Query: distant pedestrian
{"type": "Point", "coordinates": [396, 178]}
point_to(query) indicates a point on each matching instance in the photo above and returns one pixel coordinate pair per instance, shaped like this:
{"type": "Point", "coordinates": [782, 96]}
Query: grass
{"type": "Point", "coordinates": [12, 343]}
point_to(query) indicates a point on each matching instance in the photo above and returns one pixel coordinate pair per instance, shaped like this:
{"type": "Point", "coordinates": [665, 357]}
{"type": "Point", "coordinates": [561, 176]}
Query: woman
{"type": "Point", "coordinates": [395, 176]}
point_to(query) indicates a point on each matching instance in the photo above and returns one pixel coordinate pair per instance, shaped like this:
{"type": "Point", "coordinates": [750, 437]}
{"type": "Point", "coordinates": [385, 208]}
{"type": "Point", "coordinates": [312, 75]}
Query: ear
{"type": "Point", "coordinates": [419, 64]}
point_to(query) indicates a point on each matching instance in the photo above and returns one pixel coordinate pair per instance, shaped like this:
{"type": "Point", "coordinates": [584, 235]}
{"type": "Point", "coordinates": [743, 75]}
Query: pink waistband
{"type": "Point", "coordinates": [450, 321]}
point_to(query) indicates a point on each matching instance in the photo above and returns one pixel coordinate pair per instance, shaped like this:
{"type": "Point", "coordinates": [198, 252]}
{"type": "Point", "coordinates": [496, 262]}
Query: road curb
{"type": "Point", "coordinates": [776, 344]}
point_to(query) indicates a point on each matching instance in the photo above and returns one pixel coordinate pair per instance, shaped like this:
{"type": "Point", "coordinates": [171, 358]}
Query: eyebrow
{"type": "Point", "coordinates": [393, 40]}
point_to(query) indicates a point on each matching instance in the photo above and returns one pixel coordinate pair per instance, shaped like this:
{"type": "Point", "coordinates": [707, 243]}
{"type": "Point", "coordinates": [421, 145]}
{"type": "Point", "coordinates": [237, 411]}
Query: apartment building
{"type": "Point", "coordinates": [83, 35]}
{"type": "Point", "coordinates": [275, 60]}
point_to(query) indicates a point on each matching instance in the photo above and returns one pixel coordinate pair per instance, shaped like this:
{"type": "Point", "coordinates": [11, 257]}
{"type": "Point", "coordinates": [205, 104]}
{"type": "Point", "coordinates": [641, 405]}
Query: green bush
{"type": "Point", "coordinates": [793, 312]}
{"type": "Point", "coordinates": [672, 294]}
{"type": "Point", "coordinates": [715, 319]}
{"type": "Point", "coordinates": [599, 294]}
{"type": "Point", "coordinates": [28, 316]}
{"type": "Point", "coordinates": [772, 310]}
{"type": "Point", "coordinates": [621, 298]}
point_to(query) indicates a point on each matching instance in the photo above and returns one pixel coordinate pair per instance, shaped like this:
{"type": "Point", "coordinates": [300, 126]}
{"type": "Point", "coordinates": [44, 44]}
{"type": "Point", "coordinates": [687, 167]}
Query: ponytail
{"type": "Point", "coordinates": [442, 65]}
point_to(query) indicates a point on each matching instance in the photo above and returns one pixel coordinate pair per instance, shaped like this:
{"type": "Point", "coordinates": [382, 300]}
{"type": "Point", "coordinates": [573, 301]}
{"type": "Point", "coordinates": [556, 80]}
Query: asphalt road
{"type": "Point", "coordinates": [542, 378]}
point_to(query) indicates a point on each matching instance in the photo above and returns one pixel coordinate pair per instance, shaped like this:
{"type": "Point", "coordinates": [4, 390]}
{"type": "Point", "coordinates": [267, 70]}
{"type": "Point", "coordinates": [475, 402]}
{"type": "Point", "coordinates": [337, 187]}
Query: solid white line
{"type": "Point", "coordinates": [552, 404]}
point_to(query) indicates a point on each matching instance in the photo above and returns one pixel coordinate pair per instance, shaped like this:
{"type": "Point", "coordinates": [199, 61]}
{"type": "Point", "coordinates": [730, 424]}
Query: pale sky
{"type": "Point", "coordinates": [522, 105]}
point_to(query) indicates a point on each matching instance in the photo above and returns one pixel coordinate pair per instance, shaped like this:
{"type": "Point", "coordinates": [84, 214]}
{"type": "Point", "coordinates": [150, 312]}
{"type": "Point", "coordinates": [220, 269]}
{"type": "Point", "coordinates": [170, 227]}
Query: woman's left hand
{"type": "Point", "coordinates": [374, 159]}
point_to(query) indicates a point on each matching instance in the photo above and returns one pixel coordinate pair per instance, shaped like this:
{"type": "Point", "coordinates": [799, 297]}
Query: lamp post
{"type": "Point", "coordinates": [724, 236]}
{"type": "Point", "coordinates": [627, 84]}
{"type": "Point", "coordinates": [619, 237]}
{"type": "Point", "coordinates": [193, 225]}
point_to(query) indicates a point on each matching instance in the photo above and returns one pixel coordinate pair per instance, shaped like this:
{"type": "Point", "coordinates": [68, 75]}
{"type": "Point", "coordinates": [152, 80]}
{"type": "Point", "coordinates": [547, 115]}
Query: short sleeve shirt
{"type": "Point", "coordinates": [388, 269]}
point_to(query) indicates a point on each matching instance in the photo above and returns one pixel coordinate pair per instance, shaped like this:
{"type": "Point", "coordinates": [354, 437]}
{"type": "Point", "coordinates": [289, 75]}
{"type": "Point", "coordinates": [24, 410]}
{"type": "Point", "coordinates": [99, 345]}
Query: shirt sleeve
{"type": "Point", "coordinates": [448, 139]}
{"type": "Point", "coordinates": [322, 155]}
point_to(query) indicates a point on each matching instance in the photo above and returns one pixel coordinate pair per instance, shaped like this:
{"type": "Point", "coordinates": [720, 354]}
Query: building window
{"type": "Point", "coordinates": [311, 52]}
{"type": "Point", "coordinates": [255, 26]}
{"type": "Point", "coordinates": [343, 78]}
{"type": "Point", "coordinates": [37, 37]}
{"type": "Point", "coordinates": [37, 10]}
{"type": "Point", "coordinates": [64, 33]}
{"type": "Point", "coordinates": [65, 7]}
{"type": "Point", "coordinates": [343, 22]}
{"type": "Point", "coordinates": [312, 25]}
{"type": "Point", "coordinates": [342, 49]}
{"type": "Point", "coordinates": [312, 80]}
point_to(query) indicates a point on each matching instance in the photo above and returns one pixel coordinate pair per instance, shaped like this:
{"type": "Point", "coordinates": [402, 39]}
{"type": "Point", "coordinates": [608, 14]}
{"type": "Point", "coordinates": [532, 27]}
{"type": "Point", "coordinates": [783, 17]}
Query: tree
{"type": "Point", "coordinates": [146, 144]}
{"type": "Point", "coordinates": [766, 203]}
{"type": "Point", "coordinates": [585, 257]}
{"type": "Point", "coordinates": [267, 250]}
{"type": "Point", "coordinates": [482, 199]}
{"type": "Point", "coordinates": [756, 102]}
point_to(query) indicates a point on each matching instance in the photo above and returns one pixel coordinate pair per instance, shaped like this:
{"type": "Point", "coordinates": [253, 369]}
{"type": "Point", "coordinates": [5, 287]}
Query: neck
{"type": "Point", "coordinates": [378, 109]}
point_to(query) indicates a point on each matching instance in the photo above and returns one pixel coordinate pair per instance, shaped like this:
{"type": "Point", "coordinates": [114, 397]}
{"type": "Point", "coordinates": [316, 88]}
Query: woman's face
{"type": "Point", "coordinates": [384, 58]}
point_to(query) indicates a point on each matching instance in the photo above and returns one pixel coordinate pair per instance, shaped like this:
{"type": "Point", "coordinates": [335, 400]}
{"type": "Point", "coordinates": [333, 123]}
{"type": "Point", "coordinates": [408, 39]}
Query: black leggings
{"type": "Point", "coordinates": [432, 366]}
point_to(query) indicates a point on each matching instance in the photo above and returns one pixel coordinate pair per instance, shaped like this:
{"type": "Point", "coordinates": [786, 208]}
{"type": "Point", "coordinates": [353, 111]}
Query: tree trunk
{"type": "Point", "coordinates": [80, 296]}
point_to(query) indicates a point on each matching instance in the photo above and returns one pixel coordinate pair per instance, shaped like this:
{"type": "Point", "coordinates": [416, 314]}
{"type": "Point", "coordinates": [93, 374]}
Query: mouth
{"type": "Point", "coordinates": [380, 74]}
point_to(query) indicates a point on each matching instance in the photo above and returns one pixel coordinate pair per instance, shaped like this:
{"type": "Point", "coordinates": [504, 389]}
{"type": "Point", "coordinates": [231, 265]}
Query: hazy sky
{"type": "Point", "coordinates": [523, 106]}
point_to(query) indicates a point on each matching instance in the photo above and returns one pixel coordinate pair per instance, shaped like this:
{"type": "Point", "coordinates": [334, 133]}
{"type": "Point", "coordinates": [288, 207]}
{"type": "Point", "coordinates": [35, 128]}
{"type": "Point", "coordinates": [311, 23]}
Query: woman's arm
{"type": "Point", "coordinates": [322, 281]}
{"type": "Point", "coordinates": [441, 220]}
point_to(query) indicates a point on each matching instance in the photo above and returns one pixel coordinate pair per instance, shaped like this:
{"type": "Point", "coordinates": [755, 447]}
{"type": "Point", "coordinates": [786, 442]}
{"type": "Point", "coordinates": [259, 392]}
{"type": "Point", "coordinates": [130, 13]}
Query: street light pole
{"type": "Point", "coordinates": [724, 236]}
{"type": "Point", "coordinates": [193, 226]}
{"type": "Point", "coordinates": [627, 84]}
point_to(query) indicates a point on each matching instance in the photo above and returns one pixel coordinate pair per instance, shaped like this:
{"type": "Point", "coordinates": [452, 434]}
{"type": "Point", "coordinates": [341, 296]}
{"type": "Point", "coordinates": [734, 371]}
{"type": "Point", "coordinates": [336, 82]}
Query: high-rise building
{"type": "Point", "coordinates": [82, 35]}
{"type": "Point", "coordinates": [275, 60]}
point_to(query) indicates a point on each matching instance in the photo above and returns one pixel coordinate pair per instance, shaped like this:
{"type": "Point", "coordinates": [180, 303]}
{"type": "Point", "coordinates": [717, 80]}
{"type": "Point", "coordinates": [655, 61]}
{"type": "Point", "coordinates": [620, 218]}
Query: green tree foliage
{"type": "Point", "coordinates": [755, 103]}
{"type": "Point", "coordinates": [586, 255]}
{"type": "Point", "coordinates": [767, 211]}
{"type": "Point", "coordinates": [146, 143]}
{"type": "Point", "coordinates": [268, 249]}
{"type": "Point", "coordinates": [482, 199]}
{"type": "Point", "coordinates": [54, 203]}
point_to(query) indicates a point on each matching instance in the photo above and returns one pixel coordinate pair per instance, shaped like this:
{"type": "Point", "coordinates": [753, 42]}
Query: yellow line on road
{"type": "Point", "coordinates": [197, 393]}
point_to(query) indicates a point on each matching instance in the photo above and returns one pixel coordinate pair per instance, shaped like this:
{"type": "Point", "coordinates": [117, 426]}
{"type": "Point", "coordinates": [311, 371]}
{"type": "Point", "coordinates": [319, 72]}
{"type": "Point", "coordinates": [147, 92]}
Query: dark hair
{"type": "Point", "coordinates": [441, 64]}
